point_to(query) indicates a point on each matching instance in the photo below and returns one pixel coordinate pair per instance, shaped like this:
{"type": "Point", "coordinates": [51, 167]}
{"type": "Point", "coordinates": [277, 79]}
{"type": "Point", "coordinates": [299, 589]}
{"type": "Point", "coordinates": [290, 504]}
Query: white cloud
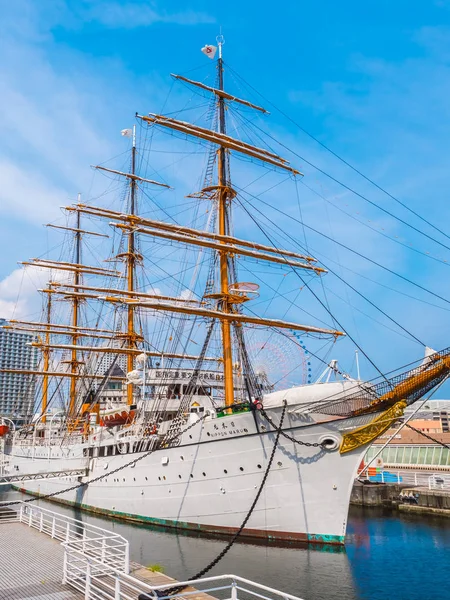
{"type": "Point", "coordinates": [18, 290]}
{"type": "Point", "coordinates": [130, 15]}
{"type": "Point", "coordinates": [26, 193]}
{"type": "Point", "coordinates": [155, 291]}
{"type": "Point", "coordinates": [186, 295]}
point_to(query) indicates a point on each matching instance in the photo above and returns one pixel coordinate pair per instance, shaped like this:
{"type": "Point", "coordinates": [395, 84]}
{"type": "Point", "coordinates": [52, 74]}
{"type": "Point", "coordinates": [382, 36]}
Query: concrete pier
{"type": "Point", "coordinates": [436, 502]}
{"type": "Point", "coordinates": [389, 495]}
{"type": "Point", "coordinates": [31, 565]}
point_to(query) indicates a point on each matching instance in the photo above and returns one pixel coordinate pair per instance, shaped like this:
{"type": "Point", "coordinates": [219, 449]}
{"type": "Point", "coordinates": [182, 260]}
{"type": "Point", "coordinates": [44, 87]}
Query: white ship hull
{"type": "Point", "coordinates": [210, 480]}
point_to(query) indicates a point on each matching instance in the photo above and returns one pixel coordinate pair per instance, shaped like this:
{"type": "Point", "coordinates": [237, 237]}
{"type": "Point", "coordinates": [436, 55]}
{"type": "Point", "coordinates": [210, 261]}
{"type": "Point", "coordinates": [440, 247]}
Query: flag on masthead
{"type": "Point", "coordinates": [210, 51]}
{"type": "Point", "coordinates": [126, 132]}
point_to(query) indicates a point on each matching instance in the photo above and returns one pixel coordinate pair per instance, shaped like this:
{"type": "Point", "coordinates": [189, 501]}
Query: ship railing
{"type": "Point", "coordinates": [108, 548]}
{"type": "Point", "coordinates": [53, 441]}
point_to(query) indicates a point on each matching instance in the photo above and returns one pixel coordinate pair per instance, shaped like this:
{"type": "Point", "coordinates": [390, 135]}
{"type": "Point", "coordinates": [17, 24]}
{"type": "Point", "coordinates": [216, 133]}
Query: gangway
{"type": "Point", "coordinates": [7, 479]}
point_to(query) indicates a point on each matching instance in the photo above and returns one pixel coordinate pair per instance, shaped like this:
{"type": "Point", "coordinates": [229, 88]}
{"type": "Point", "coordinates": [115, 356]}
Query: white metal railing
{"type": "Point", "coordinates": [97, 581]}
{"type": "Point", "coordinates": [439, 481]}
{"type": "Point", "coordinates": [96, 563]}
{"type": "Point", "coordinates": [435, 480]}
{"type": "Point", "coordinates": [29, 442]}
{"type": "Point", "coordinates": [110, 548]}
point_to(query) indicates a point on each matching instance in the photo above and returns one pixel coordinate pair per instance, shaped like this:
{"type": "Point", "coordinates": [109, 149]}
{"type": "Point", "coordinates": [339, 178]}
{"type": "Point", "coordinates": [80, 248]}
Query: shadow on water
{"type": "Point", "coordinates": [386, 557]}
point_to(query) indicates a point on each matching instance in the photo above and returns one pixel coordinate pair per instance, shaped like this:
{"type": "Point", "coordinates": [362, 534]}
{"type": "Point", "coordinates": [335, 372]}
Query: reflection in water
{"type": "Point", "coordinates": [399, 555]}
{"type": "Point", "coordinates": [385, 557]}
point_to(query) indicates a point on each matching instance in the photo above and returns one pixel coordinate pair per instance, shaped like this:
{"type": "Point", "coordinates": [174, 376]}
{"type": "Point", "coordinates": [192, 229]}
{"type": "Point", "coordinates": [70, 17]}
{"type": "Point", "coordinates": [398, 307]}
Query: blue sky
{"type": "Point", "coordinates": [371, 80]}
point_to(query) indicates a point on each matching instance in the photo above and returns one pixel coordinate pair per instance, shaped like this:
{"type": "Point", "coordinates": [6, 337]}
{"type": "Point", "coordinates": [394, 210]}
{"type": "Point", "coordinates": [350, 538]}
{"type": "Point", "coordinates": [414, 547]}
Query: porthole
{"type": "Point", "coordinates": [181, 457]}
{"type": "Point", "coordinates": [159, 478]}
{"type": "Point", "coordinates": [146, 479]}
{"type": "Point", "coordinates": [329, 442]}
{"type": "Point", "coordinates": [225, 471]}
{"type": "Point", "coordinates": [179, 476]}
{"type": "Point", "coordinates": [208, 434]}
{"type": "Point", "coordinates": [204, 474]}
{"type": "Point", "coordinates": [241, 468]}
{"type": "Point", "coordinates": [279, 463]}
{"type": "Point", "coordinates": [259, 466]}
{"type": "Point", "coordinates": [192, 475]}
{"type": "Point", "coordinates": [164, 477]}
{"type": "Point", "coordinates": [134, 478]}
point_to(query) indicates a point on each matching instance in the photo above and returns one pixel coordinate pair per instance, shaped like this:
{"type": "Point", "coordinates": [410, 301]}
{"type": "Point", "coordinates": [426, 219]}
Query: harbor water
{"type": "Point", "coordinates": [388, 555]}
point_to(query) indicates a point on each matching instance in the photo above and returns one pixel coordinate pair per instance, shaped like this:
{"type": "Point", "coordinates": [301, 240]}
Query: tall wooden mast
{"type": "Point", "coordinates": [223, 230]}
{"type": "Point", "coordinates": [75, 318]}
{"type": "Point", "coordinates": [131, 268]}
{"type": "Point", "coordinates": [46, 358]}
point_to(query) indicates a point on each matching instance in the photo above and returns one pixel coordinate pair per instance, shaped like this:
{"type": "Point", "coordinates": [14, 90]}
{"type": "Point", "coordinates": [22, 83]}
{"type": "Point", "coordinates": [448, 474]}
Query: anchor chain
{"type": "Point", "coordinates": [428, 436]}
{"type": "Point", "coordinates": [290, 437]}
{"type": "Point", "coordinates": [103, 475]}
{"type": "Point", "coordinates": [177, 589]}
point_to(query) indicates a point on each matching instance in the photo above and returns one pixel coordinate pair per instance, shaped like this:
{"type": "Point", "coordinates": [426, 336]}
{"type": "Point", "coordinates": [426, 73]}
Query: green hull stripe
{"type": "Point", "coordinates": [182, 525]}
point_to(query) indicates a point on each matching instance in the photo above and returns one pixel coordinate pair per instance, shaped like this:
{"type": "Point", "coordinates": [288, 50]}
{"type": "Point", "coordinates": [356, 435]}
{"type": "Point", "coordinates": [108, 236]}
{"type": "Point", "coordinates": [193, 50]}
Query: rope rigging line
{"type": "Point", "coordinates": [339, 244]}
{"type": "Point", "coordinates": [318, 299]}
{"type": "Point", "coordinates": [404, 205]}
{"type": "Point", "coordinates": [389, 237]}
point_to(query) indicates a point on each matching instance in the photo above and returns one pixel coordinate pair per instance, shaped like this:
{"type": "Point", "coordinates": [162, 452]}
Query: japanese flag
{"type": "Point", "coordinates": [127, 132]}
{"type": "Point", "coordinates": [210, 51]}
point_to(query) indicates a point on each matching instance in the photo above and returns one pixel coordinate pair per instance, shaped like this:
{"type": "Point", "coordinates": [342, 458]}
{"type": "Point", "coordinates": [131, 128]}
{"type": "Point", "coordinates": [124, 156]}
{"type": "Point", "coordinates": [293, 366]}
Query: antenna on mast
{"type": "Point", "coordinates": [220, 42]}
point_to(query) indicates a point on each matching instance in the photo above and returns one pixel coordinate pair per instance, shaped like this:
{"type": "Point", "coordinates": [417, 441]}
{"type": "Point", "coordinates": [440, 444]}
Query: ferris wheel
{"type": "Point", "coordinates": [281, 361]}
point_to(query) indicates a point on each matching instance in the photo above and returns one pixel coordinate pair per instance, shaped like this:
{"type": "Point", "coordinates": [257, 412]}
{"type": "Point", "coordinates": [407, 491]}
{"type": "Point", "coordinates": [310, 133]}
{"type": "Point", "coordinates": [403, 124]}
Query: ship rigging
{"type": "Point", "coordinates": [170, 378]}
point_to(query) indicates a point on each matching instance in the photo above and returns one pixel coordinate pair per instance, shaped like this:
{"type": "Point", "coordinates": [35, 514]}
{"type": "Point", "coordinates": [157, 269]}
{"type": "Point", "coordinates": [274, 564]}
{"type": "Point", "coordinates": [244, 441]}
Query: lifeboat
{"type": "Point", "coordinates": [3, 430]}
{"type": "Point", "coordinates": [122, 418]}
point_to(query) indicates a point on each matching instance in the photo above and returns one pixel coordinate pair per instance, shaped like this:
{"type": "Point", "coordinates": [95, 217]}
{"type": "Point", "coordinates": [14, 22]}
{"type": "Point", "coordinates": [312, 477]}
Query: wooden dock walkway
{"type": "Point", "coordinates": [31, 565]}
{"type": "Point", "coordinates": [156, 578]}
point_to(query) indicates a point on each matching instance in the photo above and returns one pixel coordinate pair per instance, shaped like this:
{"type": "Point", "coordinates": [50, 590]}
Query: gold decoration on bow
{"type": "Point", "coordinates": [365, 434]}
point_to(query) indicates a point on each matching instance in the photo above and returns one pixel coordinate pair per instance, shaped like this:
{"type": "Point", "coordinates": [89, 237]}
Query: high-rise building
{"type": "Point", "coordinates": [17, 390]}
{"type": "Point", "coordinates": [112, 392]}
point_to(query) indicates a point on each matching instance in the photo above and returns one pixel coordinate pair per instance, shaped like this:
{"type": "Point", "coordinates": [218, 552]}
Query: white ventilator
{"type": "Point", "coordinates": [134, 377]}
{"type": "Point", "coordinates": [140, 361]}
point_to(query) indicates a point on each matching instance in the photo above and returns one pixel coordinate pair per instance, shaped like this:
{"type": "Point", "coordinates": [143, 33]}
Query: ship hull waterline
{"type": "Point", "coordinates": [208, 485]}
